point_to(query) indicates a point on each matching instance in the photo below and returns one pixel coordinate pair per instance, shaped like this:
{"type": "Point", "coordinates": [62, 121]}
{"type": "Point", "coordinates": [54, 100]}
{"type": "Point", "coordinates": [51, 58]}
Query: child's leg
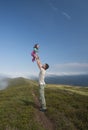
{"type": "Point", "coordinates": [33, 55]}
{"type": "Point", "coordinates": [33, 59]}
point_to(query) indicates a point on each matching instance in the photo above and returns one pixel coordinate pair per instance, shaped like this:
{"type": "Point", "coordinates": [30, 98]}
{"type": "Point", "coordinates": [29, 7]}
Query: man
{"type": "Point", "coordinates": [43, 69]}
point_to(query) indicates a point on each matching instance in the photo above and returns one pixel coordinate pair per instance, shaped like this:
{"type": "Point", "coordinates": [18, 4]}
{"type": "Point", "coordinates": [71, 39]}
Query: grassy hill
{"type": "Point", "coordinates": [19, 107]}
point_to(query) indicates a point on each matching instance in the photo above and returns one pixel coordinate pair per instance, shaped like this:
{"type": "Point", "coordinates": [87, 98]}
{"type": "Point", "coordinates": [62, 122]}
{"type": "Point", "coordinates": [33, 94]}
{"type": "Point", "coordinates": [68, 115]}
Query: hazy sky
{"type": "Point", "coordinates": [59, 26]}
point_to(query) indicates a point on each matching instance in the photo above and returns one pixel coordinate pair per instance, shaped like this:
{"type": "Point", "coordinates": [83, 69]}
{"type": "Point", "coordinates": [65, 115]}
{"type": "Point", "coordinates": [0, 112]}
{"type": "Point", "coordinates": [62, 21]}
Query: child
{"type": "Point", "coordinates": [34, 52]}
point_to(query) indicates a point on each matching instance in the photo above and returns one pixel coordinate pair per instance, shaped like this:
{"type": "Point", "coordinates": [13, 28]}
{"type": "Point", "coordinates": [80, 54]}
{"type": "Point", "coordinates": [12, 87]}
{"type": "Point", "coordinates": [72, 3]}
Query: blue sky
{"type": "Point", "coordinates": [59, 26]}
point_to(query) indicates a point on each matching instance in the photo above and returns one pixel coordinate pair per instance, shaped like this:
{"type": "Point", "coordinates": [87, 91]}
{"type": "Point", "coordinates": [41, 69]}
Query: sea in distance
{"type": "Point", "coordinates": [75, 80]}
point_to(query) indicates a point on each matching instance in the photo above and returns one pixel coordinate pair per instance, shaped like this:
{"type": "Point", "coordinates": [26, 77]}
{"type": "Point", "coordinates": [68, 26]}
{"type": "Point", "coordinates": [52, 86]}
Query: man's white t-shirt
{"type": "Point", "coordinates": [42, 76]}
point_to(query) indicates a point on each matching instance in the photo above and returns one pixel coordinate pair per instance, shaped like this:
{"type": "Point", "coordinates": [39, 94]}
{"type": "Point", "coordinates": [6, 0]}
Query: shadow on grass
{"type": "Point", "coordinates": [28, 103]}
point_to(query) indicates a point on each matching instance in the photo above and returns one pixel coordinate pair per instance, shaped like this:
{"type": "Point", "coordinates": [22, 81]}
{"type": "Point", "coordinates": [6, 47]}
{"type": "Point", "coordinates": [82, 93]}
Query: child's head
{"type": "Point", "coordinates": [36, 46]}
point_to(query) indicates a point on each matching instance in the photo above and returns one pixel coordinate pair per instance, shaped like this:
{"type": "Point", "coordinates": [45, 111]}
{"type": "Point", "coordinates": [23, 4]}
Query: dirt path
{"type": "Point", "coordinates": [41, 117]}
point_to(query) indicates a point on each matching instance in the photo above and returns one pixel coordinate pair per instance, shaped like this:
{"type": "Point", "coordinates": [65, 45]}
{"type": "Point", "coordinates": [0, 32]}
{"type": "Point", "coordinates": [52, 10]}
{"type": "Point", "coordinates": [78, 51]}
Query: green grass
{"type": "Point", "coordinates": [17, 108]}
{"type": "Point", "coordinates": [67, 106]}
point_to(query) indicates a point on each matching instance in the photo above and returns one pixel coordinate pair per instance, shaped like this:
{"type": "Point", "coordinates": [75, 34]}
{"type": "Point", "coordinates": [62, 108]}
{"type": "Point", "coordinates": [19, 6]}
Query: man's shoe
{"type": "Point", "coordinates": [43, 110]}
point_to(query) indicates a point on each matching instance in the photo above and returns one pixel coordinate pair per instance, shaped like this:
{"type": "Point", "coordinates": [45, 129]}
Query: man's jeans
{"type": "Point", "coordinates": [42, 96]}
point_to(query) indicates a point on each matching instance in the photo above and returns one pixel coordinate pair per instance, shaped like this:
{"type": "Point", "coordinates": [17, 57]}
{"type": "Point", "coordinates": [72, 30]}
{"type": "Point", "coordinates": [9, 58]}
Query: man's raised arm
{"type": "Point", "coordinates": [38, 63]}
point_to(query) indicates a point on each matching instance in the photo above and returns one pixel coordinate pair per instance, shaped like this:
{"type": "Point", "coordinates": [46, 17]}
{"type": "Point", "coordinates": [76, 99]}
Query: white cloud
{"type": "Point", "coordinates": [57, 69]}
{"type": "Point", "coordinates": [69, 69]}
{"type": "Point", "coordinates": [18, 74]}
{"type": "Point", "coordinates": [66, 15]}
{"type": "Point", "coordinates": [73, 65]}
{"type": "Point", "coordinates": [52, 5]}
{"type": "Point", "coordinates": [3, 84]}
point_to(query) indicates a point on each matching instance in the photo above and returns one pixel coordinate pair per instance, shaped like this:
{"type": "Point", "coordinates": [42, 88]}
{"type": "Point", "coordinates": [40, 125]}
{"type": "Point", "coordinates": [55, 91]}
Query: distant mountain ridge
{"type": "Point", "coordinates": [75, 80]}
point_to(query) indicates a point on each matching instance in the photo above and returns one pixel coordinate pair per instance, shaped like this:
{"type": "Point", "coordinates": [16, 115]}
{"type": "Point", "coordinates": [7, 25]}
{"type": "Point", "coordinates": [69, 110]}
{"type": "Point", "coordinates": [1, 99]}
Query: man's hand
{"type": "Point", "coordinates": [36, 57]}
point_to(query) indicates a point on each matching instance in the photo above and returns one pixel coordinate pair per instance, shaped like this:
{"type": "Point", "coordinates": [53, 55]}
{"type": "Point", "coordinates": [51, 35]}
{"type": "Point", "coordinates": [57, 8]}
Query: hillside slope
{"type": "Point", "coordinates": [19, 107]}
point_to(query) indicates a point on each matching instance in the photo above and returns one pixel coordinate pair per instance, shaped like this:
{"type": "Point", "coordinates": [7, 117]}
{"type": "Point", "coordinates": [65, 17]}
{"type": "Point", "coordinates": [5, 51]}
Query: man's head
{"type": "Point", "coordinates": [45, 66]}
